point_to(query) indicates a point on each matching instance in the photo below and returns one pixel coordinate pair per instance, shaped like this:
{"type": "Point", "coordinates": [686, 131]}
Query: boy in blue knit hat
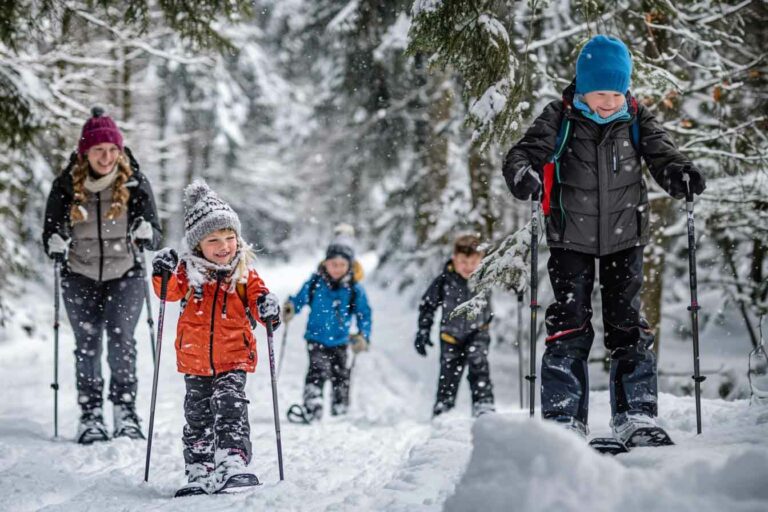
{"type": "Point", "coordinates": [582, 157]}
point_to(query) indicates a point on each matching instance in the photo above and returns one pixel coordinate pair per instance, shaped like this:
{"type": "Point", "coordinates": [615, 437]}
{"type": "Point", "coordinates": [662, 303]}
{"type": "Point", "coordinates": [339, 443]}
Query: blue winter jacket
{"type": "Point", "coordinates": [330, 317]}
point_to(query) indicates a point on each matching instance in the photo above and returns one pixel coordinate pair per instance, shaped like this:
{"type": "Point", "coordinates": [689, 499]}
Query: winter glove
{"type": "Point", "coordinates": [58, 247]}
{"type": "Point", "coordinates": [677, 187]}
{"type": "Point", "coordinates": [165, 260]}
{"type": "Point", "coordinates": [358, 343]}
{"type": "Point", "coordinates": [269, 309]}
{"type": "Point", "coordinates": [422, 340]}
{"type": "Point", "coordinates": [142, 232]}
{"type": "Point", "coordinates": [526, 183]}
{"type": "Point", "coordinates": [289, 311]}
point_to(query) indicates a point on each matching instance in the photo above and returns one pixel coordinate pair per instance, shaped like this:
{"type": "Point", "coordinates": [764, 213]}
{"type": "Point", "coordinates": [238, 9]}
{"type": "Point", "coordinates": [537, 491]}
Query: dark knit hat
{"type": "Point", "coordinates": [205, 213]}
{"type": "Point", "coordinates": [97, 130]}
{"type": "Point", "coordinates": [604, 64]}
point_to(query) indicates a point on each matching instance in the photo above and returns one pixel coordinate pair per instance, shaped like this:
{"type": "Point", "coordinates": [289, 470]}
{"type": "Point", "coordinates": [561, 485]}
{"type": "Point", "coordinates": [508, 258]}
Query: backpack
{"type": "Point", "coordinates": [552, 168]}
{"type": "Point", "coordinates": [314, 284]}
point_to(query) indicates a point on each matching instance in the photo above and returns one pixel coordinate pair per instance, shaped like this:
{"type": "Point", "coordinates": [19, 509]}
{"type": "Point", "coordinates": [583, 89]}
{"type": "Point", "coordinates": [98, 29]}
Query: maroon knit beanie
{"type": "Point", "coordinates": [97, 130]}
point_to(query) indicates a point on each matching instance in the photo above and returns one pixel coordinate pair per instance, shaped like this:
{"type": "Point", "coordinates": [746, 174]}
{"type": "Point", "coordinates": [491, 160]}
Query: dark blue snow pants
{"type": "Point", "coordinates": [564, 375]}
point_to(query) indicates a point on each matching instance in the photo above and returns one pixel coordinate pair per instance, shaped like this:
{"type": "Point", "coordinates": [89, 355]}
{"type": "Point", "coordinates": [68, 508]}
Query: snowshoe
{"type": "Point", "coordinates": [91, 428]}
{"type": "Point", "coordinates": [299, 414]}
{"type": "Point", "coordinates": [635, 430]}
{"type": "Point", "coordinates": [649, 436]}
{"type": "Point", "coordinates": [608, 445]}
{"type": "Point", "coordinates": [199, 476]}
{"type": "Point", "coordinates": [238, 483]}
{"type": "Point", "coordinates": [127, 423]}
{"type": "Point", "coordinates": [231, 474]}
{"type": "Point", "coordinates": [191, 489]}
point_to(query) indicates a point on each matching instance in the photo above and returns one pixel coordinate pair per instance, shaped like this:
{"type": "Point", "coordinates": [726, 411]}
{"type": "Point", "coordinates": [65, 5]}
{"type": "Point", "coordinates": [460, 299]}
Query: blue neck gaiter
{"type": "Point", "coordinates": [621, 115]}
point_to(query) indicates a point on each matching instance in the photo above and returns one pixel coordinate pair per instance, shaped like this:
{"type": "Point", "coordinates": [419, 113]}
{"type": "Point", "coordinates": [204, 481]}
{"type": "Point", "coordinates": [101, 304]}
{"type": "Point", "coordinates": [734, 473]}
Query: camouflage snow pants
{"type": "Point", "coordinates": [216, 411]}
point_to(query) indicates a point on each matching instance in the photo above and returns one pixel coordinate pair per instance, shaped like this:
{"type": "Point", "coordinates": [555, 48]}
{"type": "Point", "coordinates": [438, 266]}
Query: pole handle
{"type": "Point", "coordinates": [687, 181]}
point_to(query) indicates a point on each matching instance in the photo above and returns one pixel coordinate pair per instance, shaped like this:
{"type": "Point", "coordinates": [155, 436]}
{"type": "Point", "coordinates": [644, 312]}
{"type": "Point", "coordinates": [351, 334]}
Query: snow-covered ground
{"type": "Point", "coordinates": [385, 455]}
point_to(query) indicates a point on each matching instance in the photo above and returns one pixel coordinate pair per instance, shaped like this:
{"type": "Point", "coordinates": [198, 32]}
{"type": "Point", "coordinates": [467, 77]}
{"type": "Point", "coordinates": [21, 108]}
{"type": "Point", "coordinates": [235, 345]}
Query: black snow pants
{"type": "Point", "coordinates": [454, 356]}
{"type": "Point", "coordinates": [216, 411]}
{"type": "Point", "coordinates": [564, 378]}
{"type": "Point", "coordinates": [326, 363]}
{"type": "Point", "coordinates": [93, 307]}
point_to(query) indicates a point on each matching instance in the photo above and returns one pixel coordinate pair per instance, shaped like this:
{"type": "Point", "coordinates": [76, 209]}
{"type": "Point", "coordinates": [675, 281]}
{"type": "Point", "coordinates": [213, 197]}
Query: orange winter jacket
{"type": "Point", "coordinates": [213, 334]}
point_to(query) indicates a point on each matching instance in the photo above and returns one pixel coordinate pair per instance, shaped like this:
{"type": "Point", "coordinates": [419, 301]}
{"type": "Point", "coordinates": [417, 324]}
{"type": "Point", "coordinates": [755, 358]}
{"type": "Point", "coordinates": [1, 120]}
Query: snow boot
{"type": "Point", "coordinates": [231, 473]}
{"type": "Point", "coordinates": [199, 480]}
{"type": "Point", "coordinates": [91, 428]}
{"type": "Point", "coordinates": [573, 425]}
{"type": "Point", "coordinates": [440, 408]}
{"type": "Point", "coordinates": [481, 408]}
{"type": "Point", "coordinates": [635, 430]}
{"type": "Point", "coordinates": [339, 409]}
{"type": "Point", "coordinates": [127, 422]}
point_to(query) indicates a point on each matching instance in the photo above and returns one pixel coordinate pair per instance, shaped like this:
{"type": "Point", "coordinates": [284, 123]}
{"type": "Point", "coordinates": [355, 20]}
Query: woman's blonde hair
{"type": "Point", "coordinates": [120, 193]}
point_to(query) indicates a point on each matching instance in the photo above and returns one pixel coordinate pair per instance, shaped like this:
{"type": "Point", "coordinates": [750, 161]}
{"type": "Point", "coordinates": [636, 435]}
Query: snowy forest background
{"type": "Point", "coordinates": [394, 116]}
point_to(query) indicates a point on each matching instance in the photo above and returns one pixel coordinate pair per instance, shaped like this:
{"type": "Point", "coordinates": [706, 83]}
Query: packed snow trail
{"type": "Point", "coordinates": [385, 455]}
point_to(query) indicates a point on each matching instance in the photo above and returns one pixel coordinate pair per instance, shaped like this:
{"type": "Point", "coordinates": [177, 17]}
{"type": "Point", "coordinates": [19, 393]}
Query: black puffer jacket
{"type": "Point", "coordinates": [450, 290]}
{"type": "Point", "coordinates": [600, 204]}
{"type": "Point", "coordinates": [100, 248]}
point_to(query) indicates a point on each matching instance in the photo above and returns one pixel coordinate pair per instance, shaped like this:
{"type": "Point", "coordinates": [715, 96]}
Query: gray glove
{"type": "Point", "coordinates": [142, 230]}
{"type": "Point", "coordinates": [58, 246]}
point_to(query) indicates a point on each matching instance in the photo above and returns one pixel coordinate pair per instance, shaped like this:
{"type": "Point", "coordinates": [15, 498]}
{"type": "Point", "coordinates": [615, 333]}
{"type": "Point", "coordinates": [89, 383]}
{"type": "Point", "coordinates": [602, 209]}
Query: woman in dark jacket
{"type": "Point", "coordinates": [99, 212]}
{"type": "Point", "coordinates": [587, 150]}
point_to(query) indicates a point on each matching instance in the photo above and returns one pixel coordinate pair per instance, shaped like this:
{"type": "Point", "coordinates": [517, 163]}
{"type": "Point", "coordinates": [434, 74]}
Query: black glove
{"type": "Point", "coordinates": [422, 340]}
{"type": "Point", "coordinates": [269, 309]}
{"type": "Point", "coordinates": [677, 187]}
{"type": "Point", "coordinates": [165, 260]}
{"type": "Point", "coordinates": [526, 183]}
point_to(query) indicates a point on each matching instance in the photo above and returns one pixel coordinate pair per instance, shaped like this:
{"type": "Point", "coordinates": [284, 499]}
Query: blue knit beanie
{"type": "Point", "coordinates": [604, 64]}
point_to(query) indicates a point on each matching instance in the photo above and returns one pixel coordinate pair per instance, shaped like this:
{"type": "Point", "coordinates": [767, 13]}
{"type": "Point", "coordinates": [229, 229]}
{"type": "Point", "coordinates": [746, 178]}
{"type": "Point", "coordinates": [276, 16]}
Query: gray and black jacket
{"type": "Point", "coordinates": [101, 248]}
{"type": "Point", "coordinates": [600, 203]}
{"type": "Point", "coordinates": [450, 290]}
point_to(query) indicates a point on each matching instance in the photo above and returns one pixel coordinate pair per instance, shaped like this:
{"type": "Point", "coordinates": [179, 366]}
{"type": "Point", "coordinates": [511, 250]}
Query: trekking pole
{"type": "Point", "coordinates": [150, 321]}
{"type": "Point", "coordinates": [694, 307]}
{"type": "Point", "coordinates": [282, 350]}
{"type": "Point", "coordinates": [56, 303]}
{"type": "Point", "coordinates": [160, 318]}
{"type": "Point", "coordinates": [520, 355]}
{"type": "Point", "coordinates": [531, 377]}
{"type": "Point", "coordinates": [268, 323]}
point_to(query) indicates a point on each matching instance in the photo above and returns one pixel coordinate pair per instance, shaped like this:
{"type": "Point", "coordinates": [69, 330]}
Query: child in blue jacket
{"type": "Point", "coordinates": [334, 295]}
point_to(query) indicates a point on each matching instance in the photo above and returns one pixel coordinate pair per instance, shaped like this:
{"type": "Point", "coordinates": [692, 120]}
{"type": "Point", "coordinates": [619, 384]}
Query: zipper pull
{"type": "Point", "coordinates": [615, 159]}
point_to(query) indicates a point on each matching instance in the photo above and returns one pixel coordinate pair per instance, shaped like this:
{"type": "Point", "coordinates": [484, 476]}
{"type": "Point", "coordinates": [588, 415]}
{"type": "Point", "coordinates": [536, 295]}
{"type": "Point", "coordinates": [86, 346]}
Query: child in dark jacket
{"type": "Point", "coordinates": [463, 341]}
{"type": "Point", "coordinates": [587, 149]}
{"type": "Point", "coordinates": [215, 345]}
{"type": "Point", "coordinates": [334, 295]}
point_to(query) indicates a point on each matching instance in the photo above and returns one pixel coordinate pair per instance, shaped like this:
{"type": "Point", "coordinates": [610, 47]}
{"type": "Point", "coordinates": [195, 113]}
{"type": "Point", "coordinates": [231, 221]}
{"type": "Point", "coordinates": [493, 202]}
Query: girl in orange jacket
{"type": "Point", "coordinates": [215, 347]}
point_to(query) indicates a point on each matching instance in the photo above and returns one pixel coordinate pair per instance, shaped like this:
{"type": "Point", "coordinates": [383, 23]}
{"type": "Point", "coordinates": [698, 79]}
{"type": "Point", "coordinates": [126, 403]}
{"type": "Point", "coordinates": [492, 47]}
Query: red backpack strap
{"type": "Point", "coordinates": [552, 168]}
